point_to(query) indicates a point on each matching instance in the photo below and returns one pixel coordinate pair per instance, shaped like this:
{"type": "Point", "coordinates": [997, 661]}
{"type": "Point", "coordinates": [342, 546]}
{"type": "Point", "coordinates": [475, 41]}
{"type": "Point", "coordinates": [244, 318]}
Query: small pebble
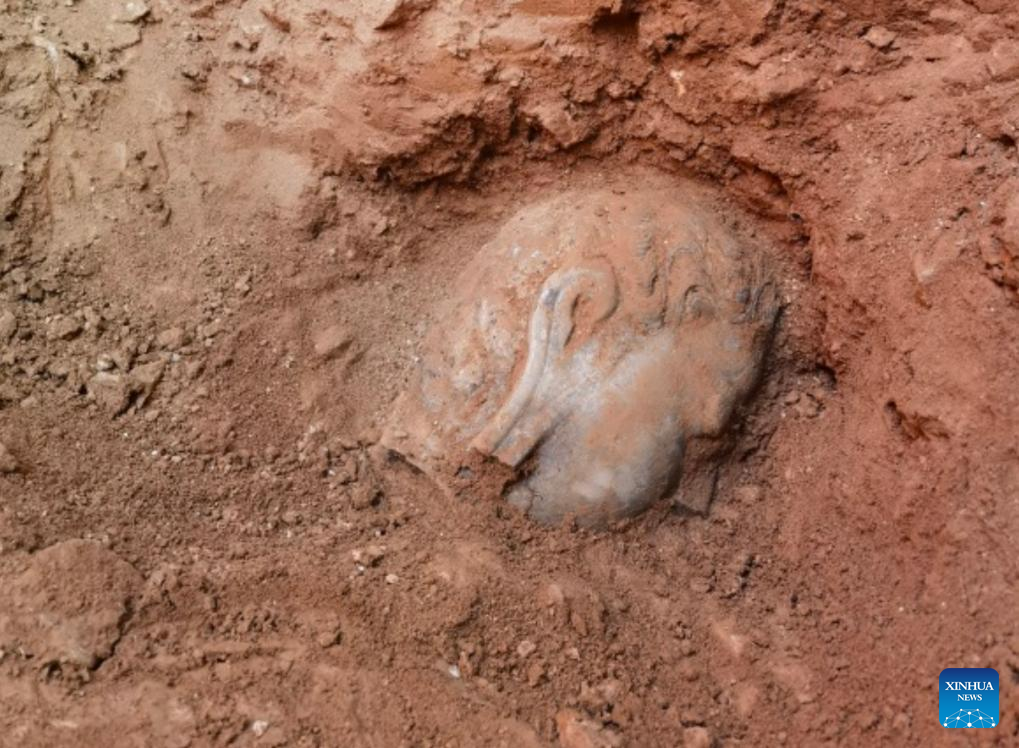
{"type": "Point", "coordinates": [879, 37]}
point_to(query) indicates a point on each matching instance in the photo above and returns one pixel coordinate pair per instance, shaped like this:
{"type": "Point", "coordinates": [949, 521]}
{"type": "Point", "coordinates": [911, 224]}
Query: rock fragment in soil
{"type": "Point", "coordinates": [8, 325]}
{"type": "Point", "coordinates": [365, 494]}
{"type": "Point", "coordinates": [172, 339]}
{"type": "Point", "coordinates": [133, 11]}
{"type": "Point", "coordinates": [556, 120]}
{"type": "Point", "coordinates": [1003, 60]}
{"type": "Point", "coordinates": [391, 14]}
{"type": "Point", "coordinates": [120, 37]}
{"type": "Point", "coordinates": [8, 394]}
{"type": "Point", "coordinates": [368, 556]}
{"type": "Point", "coordinates": [576, 731]}
{"type": "Point", "coordinates": [70, 605]}
{"type": "Point", "coordinates": [330, 634]}
{"type": "Point", "coordinates": [112, 392]}
{"type": "Point", "coordinates": [749, 494]}
{"type": "Point", "coordinates": [8, 463]}
{"type": "Point", "coordinates": [93, 320]}
{"type": "Point", "coordinates": [879, 37]}
{"type": "Point", "coordinates": [274, 16]}
{"type": "Point", "coordinates": [63, 328]}
{"type": "Point", "coordinates": [535, 674]}
{"type": "Point", "coordinates": [696, 737]}
{"type": "Point", "coordinates": [143, 380]}
{"type": "Point", "coordinates": [332, 341]}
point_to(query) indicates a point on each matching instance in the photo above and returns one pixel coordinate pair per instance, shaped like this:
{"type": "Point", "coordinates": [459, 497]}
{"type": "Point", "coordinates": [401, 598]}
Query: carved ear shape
{"type": "Point", "coordinates": [521, 421]}
{"type": "Point", "coordinates": [696, 303]}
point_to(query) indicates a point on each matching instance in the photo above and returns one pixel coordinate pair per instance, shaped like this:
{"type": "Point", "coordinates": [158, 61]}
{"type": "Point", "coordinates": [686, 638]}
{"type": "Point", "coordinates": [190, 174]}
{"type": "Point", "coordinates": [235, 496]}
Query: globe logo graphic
{"type": "Point", "coordinates": [969, 718]}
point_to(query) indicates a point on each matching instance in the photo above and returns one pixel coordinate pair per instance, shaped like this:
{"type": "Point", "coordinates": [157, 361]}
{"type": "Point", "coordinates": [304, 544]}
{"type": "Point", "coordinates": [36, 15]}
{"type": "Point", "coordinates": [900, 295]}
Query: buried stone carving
{"type": "Point", "coordinates": [584, 347]}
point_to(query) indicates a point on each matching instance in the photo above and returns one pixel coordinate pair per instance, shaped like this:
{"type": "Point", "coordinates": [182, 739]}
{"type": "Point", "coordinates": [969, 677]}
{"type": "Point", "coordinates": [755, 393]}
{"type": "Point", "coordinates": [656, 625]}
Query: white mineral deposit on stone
{"type": "Point", "coordinates": [585, 345]}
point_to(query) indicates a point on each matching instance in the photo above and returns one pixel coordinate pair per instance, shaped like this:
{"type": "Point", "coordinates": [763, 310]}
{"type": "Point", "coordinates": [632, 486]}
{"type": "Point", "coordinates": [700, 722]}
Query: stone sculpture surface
{"type": "Point", "coordinates": [585, 345]}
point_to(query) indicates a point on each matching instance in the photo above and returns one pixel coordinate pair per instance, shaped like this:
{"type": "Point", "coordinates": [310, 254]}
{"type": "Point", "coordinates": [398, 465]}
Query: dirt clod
{"type": "Point", "coordinates": [880, 37]}
{"type": "Point", "coordinates": [8, 325]}
{"type": "Point", "coordinates": [112, 392]}
{"type": "Point", "coordinates": [576, 731]}
{"type": "Point", "coordinates": [69, 606]}
{"type": "Point", "coordinates": [172, 338]}
{"type": "Point", "coordinates": [8, 462]}
{"type": "Point", "coordinates": [64, 328]}
{"type": "Point", "coordinates": [332, 341]}
{"type": "Point", "coordinates": [696, 737]}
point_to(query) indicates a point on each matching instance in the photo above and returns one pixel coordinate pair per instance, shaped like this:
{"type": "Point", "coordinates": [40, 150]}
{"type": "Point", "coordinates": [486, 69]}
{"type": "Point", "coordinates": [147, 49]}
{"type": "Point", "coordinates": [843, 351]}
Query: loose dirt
{"type": "Point", "coordinates": [224, 228]}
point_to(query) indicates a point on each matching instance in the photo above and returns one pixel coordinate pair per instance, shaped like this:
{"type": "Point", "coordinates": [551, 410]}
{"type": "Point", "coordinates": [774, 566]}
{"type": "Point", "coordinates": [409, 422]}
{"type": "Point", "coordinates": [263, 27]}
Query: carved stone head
{"type": "Point", "coordinates": [584, 345]}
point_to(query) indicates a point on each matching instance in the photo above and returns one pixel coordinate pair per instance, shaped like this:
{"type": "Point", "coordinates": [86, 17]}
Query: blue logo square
{"type": "Point", "coordinates": [968, 697]}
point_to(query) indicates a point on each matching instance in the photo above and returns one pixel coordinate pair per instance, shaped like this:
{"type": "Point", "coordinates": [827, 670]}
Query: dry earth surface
{"type": "Point", "coordinates": [223, 227]}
